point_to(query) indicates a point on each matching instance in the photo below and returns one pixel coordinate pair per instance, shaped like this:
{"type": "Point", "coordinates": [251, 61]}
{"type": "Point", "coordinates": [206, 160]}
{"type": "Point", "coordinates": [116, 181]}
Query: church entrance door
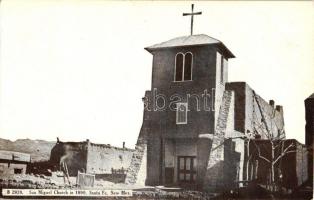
{"type": "Point", "coordinates": [186, 170]}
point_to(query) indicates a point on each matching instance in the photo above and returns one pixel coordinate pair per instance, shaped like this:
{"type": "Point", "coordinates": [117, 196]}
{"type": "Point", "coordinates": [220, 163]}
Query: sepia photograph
{"type": "Point", "coordinates": [156, 99]}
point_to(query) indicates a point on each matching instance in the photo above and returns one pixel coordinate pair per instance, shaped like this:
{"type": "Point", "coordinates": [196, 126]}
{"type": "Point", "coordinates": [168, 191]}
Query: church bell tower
{"type": "Point", "coordinates": [188, 80]}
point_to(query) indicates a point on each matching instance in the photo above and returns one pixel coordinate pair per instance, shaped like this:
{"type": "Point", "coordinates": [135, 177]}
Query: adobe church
{"type": "Point", "coordinates": [195, 122]}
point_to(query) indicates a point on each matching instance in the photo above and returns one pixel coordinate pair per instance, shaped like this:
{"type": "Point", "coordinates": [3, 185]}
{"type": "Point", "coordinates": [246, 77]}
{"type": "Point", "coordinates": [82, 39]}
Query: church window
{"type": "Point", "coordinates": [183, 66]}
{"type": "Point", "coordinates": [188, 66]}
{"type": "Point", "coordinates": [182, 109]}
{"type": "Point", "coordinates": [179, 67]}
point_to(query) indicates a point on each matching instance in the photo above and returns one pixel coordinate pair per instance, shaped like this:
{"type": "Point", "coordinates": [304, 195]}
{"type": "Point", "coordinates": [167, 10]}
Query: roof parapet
{"type": "Point", "coordinates": [279, 108]}
{"type": "Point", "coordinates": [272, 103]}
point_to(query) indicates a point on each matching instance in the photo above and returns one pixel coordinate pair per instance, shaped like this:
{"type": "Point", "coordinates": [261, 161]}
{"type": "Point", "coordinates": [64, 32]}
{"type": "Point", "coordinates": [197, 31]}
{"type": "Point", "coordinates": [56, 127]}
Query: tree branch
{"type": "Point", "coordinates": [259, 153]}
{"type": "Point", "coordinates": [285, 152]}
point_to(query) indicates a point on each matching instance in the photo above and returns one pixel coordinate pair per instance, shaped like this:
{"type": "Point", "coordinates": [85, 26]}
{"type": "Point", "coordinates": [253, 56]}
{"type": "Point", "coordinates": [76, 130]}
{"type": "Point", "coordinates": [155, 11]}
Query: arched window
{"type": "Point", "coordinates": [188, 66]}
{"type": "Point", "coordinates": [179, 67]}
{"type": "Point", "coordinates": [183, 67]}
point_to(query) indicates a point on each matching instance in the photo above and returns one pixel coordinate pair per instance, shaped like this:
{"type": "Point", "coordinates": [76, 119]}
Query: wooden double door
{"type": "Point", "coordinates": [186, 169]}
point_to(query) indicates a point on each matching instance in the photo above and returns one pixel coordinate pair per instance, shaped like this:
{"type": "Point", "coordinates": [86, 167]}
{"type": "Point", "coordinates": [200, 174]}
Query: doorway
{"type": "Point", "coordinates": [186, 169]}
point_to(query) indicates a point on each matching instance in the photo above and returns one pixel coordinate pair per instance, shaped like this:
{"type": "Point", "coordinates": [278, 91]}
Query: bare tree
{"type": "Point", "coordinates": [275, 140]}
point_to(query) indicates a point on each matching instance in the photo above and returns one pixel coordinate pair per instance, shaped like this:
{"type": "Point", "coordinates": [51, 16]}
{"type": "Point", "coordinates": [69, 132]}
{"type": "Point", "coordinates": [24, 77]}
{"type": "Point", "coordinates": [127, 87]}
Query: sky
{"type": "Point", "coordinates": [78, 70]}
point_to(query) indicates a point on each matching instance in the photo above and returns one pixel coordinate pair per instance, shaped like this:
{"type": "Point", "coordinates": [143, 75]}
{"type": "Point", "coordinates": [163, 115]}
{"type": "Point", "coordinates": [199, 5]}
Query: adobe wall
{"type": "Point", "coordinates": [203, 75]}
{"type": "Point", "coordinates": [153, 161]}
{"type": "Point", "coordinates": [8, 168]}
{"type": "Point", "coordinates": [74, 154]}
{"type": "Point", "coordinates": [90, 158]}
{"type": "Point", "coordinates": [233, 161]}
{"type": "Point", "coordinates": [239, 104]}
{"type": "Point", "coordinates": [102, 158]}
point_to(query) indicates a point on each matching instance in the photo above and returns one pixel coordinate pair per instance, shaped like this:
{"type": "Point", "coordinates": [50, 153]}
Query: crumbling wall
{"type": "Point", "coordinates": [214, 174]}
{"type": "Point", "coordinates": [263, 118]}
{"type": "Point", "coordinates": [253, 115]}
{"type": "Point", "coordinates": [137, 171]}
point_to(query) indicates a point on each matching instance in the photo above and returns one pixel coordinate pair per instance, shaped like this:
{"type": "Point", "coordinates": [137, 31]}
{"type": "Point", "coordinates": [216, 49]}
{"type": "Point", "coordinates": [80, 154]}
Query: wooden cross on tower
{"type": "Point", "coordinates": [192, 16]}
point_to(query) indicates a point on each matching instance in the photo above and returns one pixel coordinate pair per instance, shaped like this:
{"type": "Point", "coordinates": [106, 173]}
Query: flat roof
{"type": "Point", "coordinates": [15, 156]}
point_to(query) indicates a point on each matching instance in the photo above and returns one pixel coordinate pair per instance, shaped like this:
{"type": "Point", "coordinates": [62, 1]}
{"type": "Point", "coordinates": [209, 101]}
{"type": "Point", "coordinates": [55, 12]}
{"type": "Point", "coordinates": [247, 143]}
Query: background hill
{"type": "Point", "coordinates": [39, 149]}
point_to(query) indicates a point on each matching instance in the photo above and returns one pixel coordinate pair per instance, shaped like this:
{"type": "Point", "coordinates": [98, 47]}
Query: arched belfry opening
{"type": "Point", "coordinates": [183, 66]}
{"type": "Point", "coordinates": [188, 59]}
{"type": "Point", "coordinates": [179, 67]}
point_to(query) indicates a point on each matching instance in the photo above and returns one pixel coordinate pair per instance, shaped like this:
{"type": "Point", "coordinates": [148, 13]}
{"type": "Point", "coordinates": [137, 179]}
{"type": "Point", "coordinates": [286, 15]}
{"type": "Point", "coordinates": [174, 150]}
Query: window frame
{"type": "Point", "coordinates": [186, 113]}
{"type": "Point", "coordinates": [183, 66]}
{"type": "Point", "coordinates": [183, 75]}
{"type": "Point", "coordinates": [175, 67]}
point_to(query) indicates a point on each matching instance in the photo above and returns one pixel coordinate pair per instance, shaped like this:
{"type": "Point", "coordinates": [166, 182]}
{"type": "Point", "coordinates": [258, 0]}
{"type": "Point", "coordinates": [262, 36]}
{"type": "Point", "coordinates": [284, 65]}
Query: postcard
{"type": "Point", "coordinates": [156, 99]}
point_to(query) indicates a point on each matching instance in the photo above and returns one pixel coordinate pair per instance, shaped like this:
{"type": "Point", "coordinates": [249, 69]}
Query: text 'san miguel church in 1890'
{"type": "Point", "coordinates": [201, 131]}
